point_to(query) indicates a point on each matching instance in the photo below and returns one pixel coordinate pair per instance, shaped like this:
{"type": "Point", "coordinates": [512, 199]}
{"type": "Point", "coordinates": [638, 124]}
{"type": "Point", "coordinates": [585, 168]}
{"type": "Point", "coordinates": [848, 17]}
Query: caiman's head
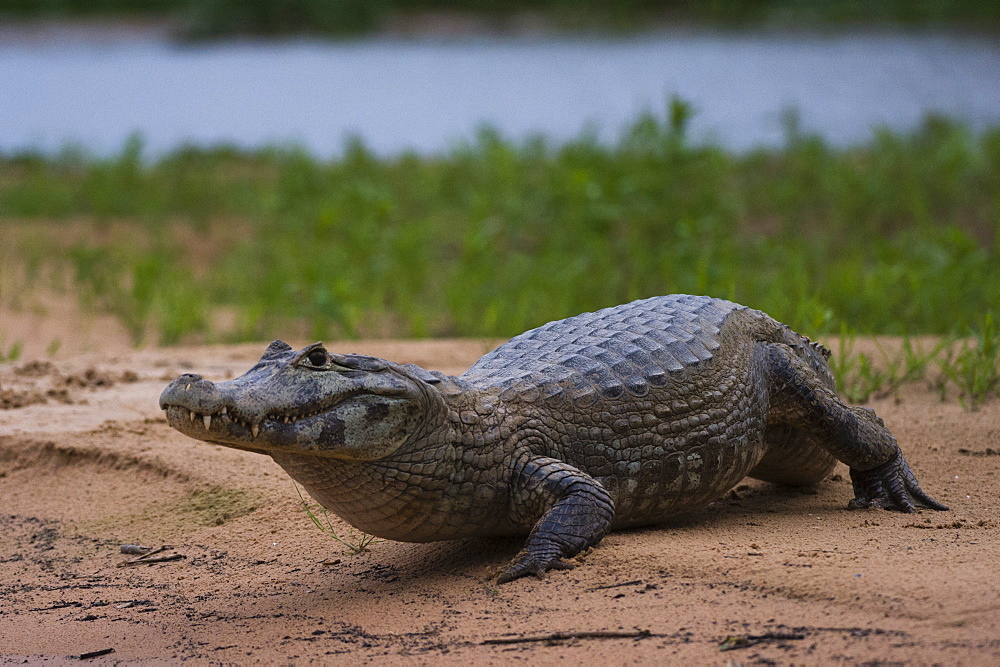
{"type": "Point", "coordinates": [311, 401]}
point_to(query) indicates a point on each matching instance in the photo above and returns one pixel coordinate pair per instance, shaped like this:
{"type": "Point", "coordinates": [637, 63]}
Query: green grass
{"type": "Point", "coordinates": [12, 353]}
{"type": "Point", "coordinates": [354, 541]}
{"type": "Point", "coordinates": [494, 237]}
{"type": "Point", "coordinates": [969, 364]}
{"type": "Point", "coordinates": [975, 367]}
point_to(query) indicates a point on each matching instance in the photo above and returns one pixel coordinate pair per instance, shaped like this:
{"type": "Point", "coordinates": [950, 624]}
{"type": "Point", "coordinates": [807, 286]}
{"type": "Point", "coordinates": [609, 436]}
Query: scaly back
{"type": "Point", "coordinates": [608, 353]}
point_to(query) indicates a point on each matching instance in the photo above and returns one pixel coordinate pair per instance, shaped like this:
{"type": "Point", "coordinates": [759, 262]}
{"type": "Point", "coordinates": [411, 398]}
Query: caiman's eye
{"type": "Point", "coordinates": [318, 358]}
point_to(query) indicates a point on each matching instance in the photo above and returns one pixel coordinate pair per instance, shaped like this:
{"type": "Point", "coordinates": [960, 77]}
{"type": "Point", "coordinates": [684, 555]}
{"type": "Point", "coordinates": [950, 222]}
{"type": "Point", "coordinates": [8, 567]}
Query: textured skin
{"type": "Point", "coordinates": [616, 418]}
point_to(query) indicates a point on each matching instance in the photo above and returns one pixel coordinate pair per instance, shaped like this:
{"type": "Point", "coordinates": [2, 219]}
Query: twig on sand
{"type": "Point", "coordinates": [164, 558]}
{"type": "Point", "coordinates": [95, 654]}
{"type": "Point", "coordinates": [634, 582]}
{"type": "Point", "coordinates": [563, 636]}
{"type": "Point", "coordinates": [151, 556]}
{"type": "Point", "coordinates": [136, 549]}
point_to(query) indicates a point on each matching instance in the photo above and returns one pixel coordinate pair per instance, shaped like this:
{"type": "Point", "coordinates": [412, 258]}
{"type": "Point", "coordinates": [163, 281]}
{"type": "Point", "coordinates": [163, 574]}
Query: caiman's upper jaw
{"type": "Point", "coordinates": [310, 402]}
{"type": "Point", "coordinates": [214, 413]}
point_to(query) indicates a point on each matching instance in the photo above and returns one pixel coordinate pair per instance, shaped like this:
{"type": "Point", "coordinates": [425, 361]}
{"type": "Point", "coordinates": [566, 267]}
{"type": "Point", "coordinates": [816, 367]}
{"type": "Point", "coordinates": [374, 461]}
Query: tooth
{"type": "Point", "coordinates": [255, 429]}
{"type": "Point", "coordinates": [223, 411]}
{"type": "Point", "coordinates": [208, 420]}
{"type": "Point", "coordinates": [286, 419]}
{"type": "Point", "coordinates": [192, 415]}
{"type": "Point", "coordinates": [188, 386]}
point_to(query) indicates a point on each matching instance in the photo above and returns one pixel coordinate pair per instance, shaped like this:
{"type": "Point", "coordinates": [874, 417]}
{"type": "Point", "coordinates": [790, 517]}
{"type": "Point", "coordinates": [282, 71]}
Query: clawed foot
{"type": "Point", "coordinates": [890, 486]}
{"type": "Point", "coordinates": [527, 563]}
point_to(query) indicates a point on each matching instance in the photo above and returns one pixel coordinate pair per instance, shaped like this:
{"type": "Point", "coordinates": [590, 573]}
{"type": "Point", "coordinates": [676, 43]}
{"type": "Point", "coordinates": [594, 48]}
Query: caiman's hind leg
{"type": "Point", "coordinates": [801, 399]}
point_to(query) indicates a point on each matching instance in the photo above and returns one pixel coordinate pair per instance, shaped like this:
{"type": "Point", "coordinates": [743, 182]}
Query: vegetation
{"type": "Point", "coordinates": [898, 236]}
{"type": "Point", "coordinates": [975, 369]}
{"type": "Point", "coordinates": [970, 364]}
{"type": "Point", "coordinates": [13, 353]}
{"type": "Point", "coordinates": [355, 541]}
{"type": "Point", "coordinates": [212, 18]}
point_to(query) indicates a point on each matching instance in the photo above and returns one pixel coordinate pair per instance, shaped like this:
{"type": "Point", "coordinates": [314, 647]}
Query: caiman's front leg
{"type": "Point", "coordinates": [856, 436]}
{"type": "Point", "coordinates": [571, 511]}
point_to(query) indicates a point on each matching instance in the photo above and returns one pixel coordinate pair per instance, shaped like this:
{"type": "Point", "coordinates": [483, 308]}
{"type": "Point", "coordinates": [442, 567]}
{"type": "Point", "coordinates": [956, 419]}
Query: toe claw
{"type": "Point", "coordinates": [890, 486]}
{"type": "Point", "coordinates": [857, 504]}
{"type": "Point", "coordinates": [526, 563]}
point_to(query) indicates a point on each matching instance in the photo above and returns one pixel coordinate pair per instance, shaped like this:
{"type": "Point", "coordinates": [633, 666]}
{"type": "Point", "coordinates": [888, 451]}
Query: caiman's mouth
{"type": "Point", "coordinates": [176, 415]}
{"type": "Point", "coordinates": [229, 426]}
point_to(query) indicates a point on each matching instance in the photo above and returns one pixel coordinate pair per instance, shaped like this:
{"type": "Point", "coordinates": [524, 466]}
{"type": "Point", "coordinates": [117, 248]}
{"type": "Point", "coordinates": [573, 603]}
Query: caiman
{"type": "Point", "coordinates": [621, 417]}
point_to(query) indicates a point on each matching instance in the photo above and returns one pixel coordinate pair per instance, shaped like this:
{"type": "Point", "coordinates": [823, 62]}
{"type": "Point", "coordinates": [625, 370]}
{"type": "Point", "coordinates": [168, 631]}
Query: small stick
{"type": "Point", "coordinates": [147, 552]}
{"type": "Point", "coordinates": [635, 582]}
{"type": "Point", "coordinates": [160, 558]}
{"type": "Point", "coordinates": [59, 605]}
{"type": "Point", "coordinates": [563, 636]}
{"type": "Point", "coordinates": [151, 552]}
{"type": "Point", "coordinates": [95, 654]}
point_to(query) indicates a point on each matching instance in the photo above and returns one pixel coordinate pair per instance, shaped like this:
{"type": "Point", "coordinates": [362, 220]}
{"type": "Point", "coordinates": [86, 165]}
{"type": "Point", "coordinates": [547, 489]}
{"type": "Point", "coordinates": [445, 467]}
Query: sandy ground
{"type": "Point", "coordinates": [87, 463]}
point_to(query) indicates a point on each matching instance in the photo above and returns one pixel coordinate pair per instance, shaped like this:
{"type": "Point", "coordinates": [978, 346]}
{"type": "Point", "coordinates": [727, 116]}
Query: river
{"type": "Point", "coordinates": [429, 95]}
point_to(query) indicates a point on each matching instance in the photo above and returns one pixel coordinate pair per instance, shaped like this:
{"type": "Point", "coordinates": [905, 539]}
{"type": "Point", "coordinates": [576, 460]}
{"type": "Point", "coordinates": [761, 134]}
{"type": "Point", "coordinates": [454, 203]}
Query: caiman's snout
{"type": "Point", "coordinates": [189, 398]}
{"type": "Point", "coordinates": [212, 412]}
{"type": "Point", "coordinates": [193, 392]}
{"type": "Point", "coordinates": [184, 383]}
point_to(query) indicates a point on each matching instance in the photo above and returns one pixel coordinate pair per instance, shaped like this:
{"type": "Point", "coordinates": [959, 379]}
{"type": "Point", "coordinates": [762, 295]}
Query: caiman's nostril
{"type": "Point", "coordinates": [189, 377]}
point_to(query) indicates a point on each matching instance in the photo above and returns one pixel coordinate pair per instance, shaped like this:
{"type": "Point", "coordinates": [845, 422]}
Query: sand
{"type": "Point", "coordinates": [767, 574]}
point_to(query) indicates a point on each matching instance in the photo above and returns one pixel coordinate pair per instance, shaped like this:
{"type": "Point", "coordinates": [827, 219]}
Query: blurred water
{"type": "Point", "coordinates": [427, 95]}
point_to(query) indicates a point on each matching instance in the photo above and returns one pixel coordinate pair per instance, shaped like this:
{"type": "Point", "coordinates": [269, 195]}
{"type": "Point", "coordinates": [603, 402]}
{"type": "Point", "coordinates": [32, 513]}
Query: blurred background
{"type": "Point", "coordinates": [223, 171]}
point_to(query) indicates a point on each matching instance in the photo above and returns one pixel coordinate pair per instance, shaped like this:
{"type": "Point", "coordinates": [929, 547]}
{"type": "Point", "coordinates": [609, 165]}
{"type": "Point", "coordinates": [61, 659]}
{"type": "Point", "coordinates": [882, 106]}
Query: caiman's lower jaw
{"type": "Point", "coordinates": [227, 427]}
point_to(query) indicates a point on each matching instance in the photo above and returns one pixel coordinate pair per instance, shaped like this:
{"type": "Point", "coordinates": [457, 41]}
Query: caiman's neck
{"type": "Point", "coordinates": [460, 414]}
{"type": "Point", "coordinates": [408, 494]}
